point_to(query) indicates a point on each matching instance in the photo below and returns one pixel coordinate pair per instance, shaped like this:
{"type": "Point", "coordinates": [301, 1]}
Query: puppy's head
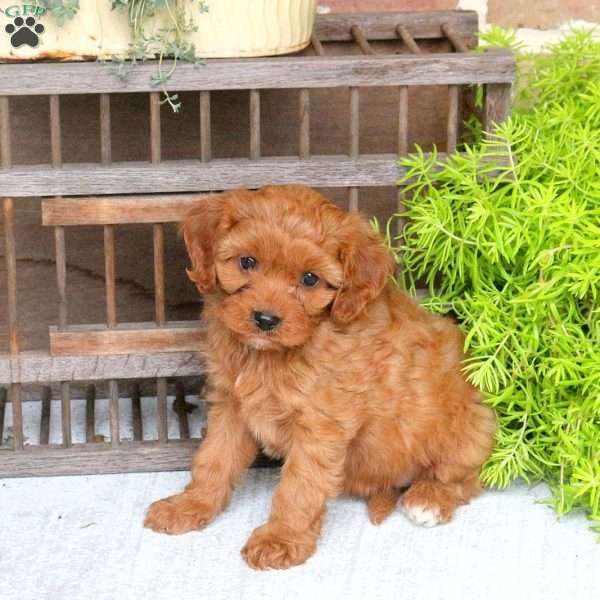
{"type": "Point", "coordinates": [281, 260]}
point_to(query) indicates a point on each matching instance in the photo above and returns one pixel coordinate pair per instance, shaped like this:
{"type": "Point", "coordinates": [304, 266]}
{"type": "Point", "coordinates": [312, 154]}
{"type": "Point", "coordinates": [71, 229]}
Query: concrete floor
{"type": "Point", "coordinates": [82, 538]}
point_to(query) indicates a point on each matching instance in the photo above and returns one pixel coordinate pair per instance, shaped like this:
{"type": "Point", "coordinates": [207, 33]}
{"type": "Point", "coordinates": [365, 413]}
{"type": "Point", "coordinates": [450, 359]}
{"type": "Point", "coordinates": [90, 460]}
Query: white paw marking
{"type": "Point", "coordinates": [421, 515]}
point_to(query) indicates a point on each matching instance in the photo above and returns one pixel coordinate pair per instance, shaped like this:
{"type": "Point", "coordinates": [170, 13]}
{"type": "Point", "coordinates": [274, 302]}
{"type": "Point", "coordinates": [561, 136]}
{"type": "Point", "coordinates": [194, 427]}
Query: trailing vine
{"type": "Point", "coordinates": [167, 41]}
{"type": "Point", "coordinates": [61, 10]}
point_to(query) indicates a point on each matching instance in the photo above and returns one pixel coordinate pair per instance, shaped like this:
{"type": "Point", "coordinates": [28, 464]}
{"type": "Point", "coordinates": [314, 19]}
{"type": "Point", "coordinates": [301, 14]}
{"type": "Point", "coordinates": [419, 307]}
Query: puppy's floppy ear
{"type": "Point", "coordinates": [201, 229]}
{"type": "Point", "coordinates": [367, 266]}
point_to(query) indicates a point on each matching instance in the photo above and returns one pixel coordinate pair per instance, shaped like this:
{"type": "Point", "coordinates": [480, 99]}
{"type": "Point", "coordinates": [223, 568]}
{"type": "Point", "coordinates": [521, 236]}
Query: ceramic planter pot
{"type": "Point", "coordinates": [229, 28]}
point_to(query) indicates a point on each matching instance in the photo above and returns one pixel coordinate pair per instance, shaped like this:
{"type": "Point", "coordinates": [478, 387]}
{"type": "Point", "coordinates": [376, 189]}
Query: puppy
{"type": "Point", "coordinates": [316, 357]}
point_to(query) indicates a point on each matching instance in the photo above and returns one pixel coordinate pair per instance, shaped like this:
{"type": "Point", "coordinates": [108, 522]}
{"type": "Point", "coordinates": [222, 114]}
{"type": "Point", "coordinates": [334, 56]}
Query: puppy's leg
{"type": "Point", "coordinates": [218, 465]}
{"type": "Point", "coordinates": [452, 478]}
{"type": "Point", "coordinates": [381, 506]}
{"type": "Point", "coordinates": [312, 473]}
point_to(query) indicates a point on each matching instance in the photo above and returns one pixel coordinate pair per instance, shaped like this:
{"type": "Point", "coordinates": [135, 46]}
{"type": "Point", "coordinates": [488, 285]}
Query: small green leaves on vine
{"type": "Point", "coordinates": [167, 42]}
{"type": "Point", "coordinates": [61, 10]}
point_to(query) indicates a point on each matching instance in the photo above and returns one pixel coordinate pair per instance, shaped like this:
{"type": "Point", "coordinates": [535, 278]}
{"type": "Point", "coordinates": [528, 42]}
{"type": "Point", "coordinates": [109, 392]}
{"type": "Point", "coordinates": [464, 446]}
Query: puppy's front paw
{"type": "Point", "coordinates": [178, 514]}
{"type": "Point", "coordinates": [267, 550]}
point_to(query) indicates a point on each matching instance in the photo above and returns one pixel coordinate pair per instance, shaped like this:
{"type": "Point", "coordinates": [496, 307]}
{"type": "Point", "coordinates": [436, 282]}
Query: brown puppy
{"type": "Point", "coordinates": [316, 357]}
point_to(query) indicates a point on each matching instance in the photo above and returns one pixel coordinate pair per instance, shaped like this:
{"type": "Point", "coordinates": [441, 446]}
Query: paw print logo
{"type": "Point", "coordinates": [24, 31]}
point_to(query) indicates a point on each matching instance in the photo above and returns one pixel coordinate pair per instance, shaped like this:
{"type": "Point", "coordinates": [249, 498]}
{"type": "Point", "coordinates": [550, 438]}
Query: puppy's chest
{"type": "Point", "coordinates": [269, 407]}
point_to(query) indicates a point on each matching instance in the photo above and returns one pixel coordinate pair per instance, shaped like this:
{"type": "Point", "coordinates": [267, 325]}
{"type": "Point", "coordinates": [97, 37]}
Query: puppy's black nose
{"type": "Point", "coordinates": [266, 321]}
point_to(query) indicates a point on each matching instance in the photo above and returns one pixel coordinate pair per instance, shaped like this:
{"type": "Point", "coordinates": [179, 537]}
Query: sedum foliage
{"type": "Point", "coordinates": [516, 258]}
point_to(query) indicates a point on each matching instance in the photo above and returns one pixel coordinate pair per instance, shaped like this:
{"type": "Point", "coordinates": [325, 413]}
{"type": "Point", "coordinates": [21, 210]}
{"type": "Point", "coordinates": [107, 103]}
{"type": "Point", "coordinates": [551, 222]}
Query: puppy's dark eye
{"type": "Point", "coordinates": [309, 279]}
{"type": "Point", "coordinates": [248, 263]}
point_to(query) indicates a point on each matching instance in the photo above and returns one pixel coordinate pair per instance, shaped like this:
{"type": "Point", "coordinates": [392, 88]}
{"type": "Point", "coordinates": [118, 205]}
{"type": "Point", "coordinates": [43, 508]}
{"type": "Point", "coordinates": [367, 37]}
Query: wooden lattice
{"type": "Point", "coordinates": [159, 192]}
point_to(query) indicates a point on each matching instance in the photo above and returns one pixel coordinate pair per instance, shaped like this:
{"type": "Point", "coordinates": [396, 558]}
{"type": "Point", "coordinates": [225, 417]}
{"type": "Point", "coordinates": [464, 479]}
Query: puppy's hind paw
{"type": "Point", "coordinates": [381, 506]}
{"type": "Point", "coordinates": [429, 503]}
{"type": "Point", "coordinates": [178, 514]}
{"type": "Point", "coordinates": [422, 515]}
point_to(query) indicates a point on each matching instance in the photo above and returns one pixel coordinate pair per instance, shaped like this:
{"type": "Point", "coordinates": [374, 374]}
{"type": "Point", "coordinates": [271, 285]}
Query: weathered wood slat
{"type": "Point", "coordinates": [190, 175]}
{"type": "Point", "coordinates": [408, 39]}
{"type": "Point", "coordinates": [160, 311]}
{"type": "Point", "coordinates": [109, 241]}
{"type": "Point", "coordinates": [112, 210]}
{"type": "Point", "coordinates": [316, 45]}
{"type": "Point", "coordinates": [304, 130]}
{"type": "Point", "coordinates": [105, 133]}
{"type": "Point", "coordinates": [254, 124]}
{"type": "Point", "coordinates": [98, 458]}
{"type": "Point", "coordinates": [55, 132]}
{"type": "Point", "coordinates": [61, 272]}
{"type": "Point", "coordinates": [453, 118]}
{"type": "Point", "coordinates": [361, 39]}
{"type": "Point", "coordinates": [126, 338]}
{"type": "Point", "coordinates": [354, 131]}
{"type": "Point", "coordinates": [56, 160]}
{"type": "Point", "coordinates": [14, 392]}
{"type": "Point", "coordinates": [92, 459]}
{"type": "Point", "coordinates": [205, 127]}
{"type": "Point", "coordinates": [42, 367]}
{"type": "Point", "coordinates": [497, 104]}
{"type": "Point", "coordinates": [402, 120]}
{"type": "Point", "coordinates": [9, 235]}
{"type": "Point", "coordinates": [2, 412]}
{"type": "Point", "coordinates": [155, 130]}
{"type": "Point", "coordinates": [161, 409]}
{"type": "Point", "coordinates": [10, 253]}
{"type": "Point", "coordinates": [90, 413]}
{"type": "Point", "coordinates": [354, 139]}
{"type": "Point", "coordinates": [65, 410]}
{"type": "Point", "coordinates": [372, 170]}
{"type": "Point", "coordinates": [136, 412]}
{"type": "Point", "coordinates": [5, 146]}
{"type": "Point", "coordinates": [494, 66]}
{"type": "Point", "coordinates": [45, 416]}
{"type": "Point", "coordinates": [180, 406]}
{"type": "Point", "coordinates": [457, 42]}
{"type": "Point", "coordinates": [382, 26]}
{"type": "Point", "coordinates": [113, 413]}
{"type": "Point", "coordinates": [109, 275]}
{"type": "Point", "coordinates": [402, 151]}
{"type": "Point", "coordinates": [16, 401]}
{"type": "Point", "coordinates": [158, 243]}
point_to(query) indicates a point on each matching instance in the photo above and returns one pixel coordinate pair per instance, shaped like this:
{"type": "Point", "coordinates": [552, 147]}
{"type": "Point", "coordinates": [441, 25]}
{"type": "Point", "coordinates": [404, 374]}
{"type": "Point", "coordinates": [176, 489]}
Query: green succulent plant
{"type": "Point", "coordinates": [516, 258]}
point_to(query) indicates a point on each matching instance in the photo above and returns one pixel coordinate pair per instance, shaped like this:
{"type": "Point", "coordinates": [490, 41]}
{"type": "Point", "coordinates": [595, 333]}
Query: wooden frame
{"type": "Point", "coordinates": [183, 175]}
{"type": "Point", "coordinates": [78, 194]}
{"type": "Point", "coordinates": [494, 66]}
{"type": "Point", "coordinates": [126, 338]}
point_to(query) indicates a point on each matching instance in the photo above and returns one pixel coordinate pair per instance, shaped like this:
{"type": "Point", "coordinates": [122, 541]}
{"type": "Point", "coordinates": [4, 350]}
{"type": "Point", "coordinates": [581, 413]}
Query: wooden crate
{"type": "Point", "coordinates": [158, 192]}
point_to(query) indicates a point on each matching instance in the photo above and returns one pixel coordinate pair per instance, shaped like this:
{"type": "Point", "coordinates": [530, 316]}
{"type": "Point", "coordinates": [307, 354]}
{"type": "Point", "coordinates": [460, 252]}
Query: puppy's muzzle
{"type": "Point", "coordinates": [266, 321]}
